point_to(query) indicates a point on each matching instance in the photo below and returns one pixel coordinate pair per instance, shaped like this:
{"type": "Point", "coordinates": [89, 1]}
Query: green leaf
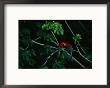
{"type": "Point", "coordinates": [89, 56]}
{"type": "Point", "coordinates": [33, 52]}
{"type": "Point", "coordinates": [62, 32]}
{"type": "Point", "coordinates": [26, 57]}
{"type": "Point", "coordinates": [57, 64]}
{"type": "Point", "coordinates": [56, 27]}
{"type": "Point", "coordinates": [77, 37]}
{"type": "Point", "coordinates": [63, 56]}
{"type": "Point", "coordinates": [25, 37]}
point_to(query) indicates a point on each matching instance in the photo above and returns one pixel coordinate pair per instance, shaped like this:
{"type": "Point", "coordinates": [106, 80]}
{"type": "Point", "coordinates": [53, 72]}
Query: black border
{"type": "Point", "coordinates": [2, 41]}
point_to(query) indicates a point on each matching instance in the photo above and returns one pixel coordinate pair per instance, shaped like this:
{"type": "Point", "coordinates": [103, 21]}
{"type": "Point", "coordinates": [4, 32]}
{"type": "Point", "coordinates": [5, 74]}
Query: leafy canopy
{"type": "Point", "coordinates": [56, 27]}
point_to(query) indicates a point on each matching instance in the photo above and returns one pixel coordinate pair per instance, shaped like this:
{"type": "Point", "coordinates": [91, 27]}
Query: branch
{"type": "Point", "coordinates": [37, 38]}
{"type": "Point", "coordinates": [81, 48]}
{"type": "Point", "coordinates": [55, 38]}
{"type": "Point", "coordinates": [82, 55]}
{"type": "Point", "coordinates": [49, 57]}
{"type": "Point", "coordinates": [69, 27]}
{"type": "Point", "coordinates": [27, 46]}
{"type": "Point", "coordinates": [54, 43]}
{"type": "Point", "coordinates": [73, 34]}
{"type": "Point", "coordinates": [75, 60]}
{"type": "Point", "coordinates": [71, 51]}
{"type": "Point", "coordinates": [38, 43]}
{"type": "Point", "coordinates": [43, 44]}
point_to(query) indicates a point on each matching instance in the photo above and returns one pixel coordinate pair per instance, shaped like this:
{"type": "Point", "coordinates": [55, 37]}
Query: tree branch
{"type": "Point", "coordinates": [82, 55]}
{"type": "Point", "coordinates": [38, 43]}
{"type": "Point", "coordinates": [73, 34]}
{"type": "Point", "coordinates": [69, 27]}
{"type": "Point", "coordinates": [81, 48]}
{"type": "Point", "coordinates": [55, 38]}
{"type": "Point", "coordinates": [37, 38]}
{"type": "Point", "coordinates": [75, 60]}
{"type": "Point", "coordinates": [49, 57]}
{"type": "Point", "coordinates": [41, 44]}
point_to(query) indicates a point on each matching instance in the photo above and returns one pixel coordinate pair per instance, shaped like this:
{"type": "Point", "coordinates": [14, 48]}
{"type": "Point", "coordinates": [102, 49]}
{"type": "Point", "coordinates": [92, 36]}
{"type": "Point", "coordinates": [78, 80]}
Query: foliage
{"type": "Point", "coordinates": [56, 27]}
{"type": "Point", "coordinates": [25, 56]}
{"type": "Point", "coordinates": [45, 36]}
{"type": "Point", "coordinates": [77, 37]}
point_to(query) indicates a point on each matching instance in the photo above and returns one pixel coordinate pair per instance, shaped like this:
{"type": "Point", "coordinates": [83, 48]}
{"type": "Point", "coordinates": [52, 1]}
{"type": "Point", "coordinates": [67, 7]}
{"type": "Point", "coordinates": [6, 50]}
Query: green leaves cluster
{"type": "Point", "coordinates": [26, 57]}
{"type": "Point", "coordinates": [56, 27]}
{"type": "Point", "coordinates": [25, 38]}
{"type": "Point", "coordinates": [61, 60]}
{"type": "Point", "coordinates": [45, 35]}
{"type": "Point", "coordinates": [47, 49]}
{"type": "Point", "coordinates": [58, 65]}
{"type": "Point", "coordinates": [77, 37]}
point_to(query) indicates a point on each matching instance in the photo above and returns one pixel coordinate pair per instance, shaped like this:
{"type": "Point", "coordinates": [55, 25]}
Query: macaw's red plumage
{"type": "Point", "coordinates": [63, 44]}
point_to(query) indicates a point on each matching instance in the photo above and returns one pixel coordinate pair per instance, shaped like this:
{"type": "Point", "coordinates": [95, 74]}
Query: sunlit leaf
{"type": "Point", "coordinates": [77, 37]}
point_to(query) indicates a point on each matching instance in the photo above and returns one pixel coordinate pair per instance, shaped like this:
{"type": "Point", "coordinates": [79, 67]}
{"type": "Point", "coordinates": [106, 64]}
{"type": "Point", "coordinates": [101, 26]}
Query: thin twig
{"type": "Point", "coordinates": [54, 43]}
{"type": "Point", "coordinates": [71, 51]}
{"type": "Point", "coordinates": [38, 43]}
{"type": "Point", "coordinates": [82, 55]}
{"type": "Point", "coordinates": [49, 57]}
{"type": "Point", "coordinates": [55, 38]}
{"type": "Point", "coordinates": [41, 44]}
{"type": "Point", "coordinates": [69, 27]}
{"type": "Point", "coordinates": [81, 48]}
{"type": "Point", "coordinates": [27, 46]}
{"type": "Point", "coordinates": [73, 34]}
{"type": "Point", "coordinates": [37, 38]}
{"type": "Point", "coordinates": [74, 50]}
{"type": "Point", "coordinates": [75, 60]}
